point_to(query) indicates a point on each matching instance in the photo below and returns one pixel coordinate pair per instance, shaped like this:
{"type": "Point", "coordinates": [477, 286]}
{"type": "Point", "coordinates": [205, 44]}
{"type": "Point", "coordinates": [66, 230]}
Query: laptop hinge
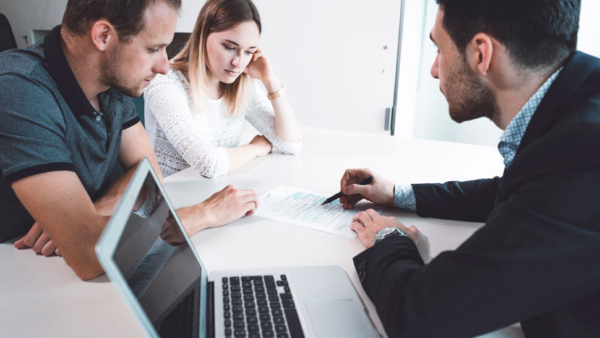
{"type": "Point", "coordinates": [210, 307]}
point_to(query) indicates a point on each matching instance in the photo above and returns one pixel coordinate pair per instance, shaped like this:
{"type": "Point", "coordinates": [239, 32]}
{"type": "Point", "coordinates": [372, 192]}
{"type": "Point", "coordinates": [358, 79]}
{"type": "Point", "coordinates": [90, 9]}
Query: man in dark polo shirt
{"type": "Point", "coordinates": [68, 126]}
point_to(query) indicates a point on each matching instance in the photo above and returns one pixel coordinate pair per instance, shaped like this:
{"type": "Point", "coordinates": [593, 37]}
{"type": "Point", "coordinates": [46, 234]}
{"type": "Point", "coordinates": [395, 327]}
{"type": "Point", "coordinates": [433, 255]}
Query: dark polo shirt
{"type": "Point", "coordinates": [47, 124]}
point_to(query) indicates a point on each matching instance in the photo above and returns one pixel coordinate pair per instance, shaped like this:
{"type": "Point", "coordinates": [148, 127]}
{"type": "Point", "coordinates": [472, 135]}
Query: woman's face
{"type": "Point", "coordinates": [230, 51]}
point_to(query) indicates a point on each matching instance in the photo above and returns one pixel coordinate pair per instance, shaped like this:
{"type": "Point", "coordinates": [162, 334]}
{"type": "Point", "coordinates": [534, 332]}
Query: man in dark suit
{"type": "Point", "coordinates": [537, 258]}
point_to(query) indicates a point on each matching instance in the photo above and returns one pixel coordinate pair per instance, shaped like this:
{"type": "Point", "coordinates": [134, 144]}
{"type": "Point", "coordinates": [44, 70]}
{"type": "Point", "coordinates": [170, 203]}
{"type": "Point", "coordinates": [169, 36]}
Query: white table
{"type": "Point", "coordinates": [42, 297]}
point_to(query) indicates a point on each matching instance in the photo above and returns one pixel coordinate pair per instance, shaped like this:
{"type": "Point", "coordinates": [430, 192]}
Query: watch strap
{"type": "Point", "coordinates": [394, 232]}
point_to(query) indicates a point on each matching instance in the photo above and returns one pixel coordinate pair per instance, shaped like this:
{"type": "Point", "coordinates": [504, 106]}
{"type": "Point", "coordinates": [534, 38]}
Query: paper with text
{"type": "Point", "coordinates": [304, 208]}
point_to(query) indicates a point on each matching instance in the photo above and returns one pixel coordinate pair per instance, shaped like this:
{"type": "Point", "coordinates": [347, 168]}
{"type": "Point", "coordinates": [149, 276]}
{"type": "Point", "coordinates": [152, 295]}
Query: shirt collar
{"type": "Point", "coordinates": [59, 69]}
{"type": "Point", "coordinates": [513, 134]}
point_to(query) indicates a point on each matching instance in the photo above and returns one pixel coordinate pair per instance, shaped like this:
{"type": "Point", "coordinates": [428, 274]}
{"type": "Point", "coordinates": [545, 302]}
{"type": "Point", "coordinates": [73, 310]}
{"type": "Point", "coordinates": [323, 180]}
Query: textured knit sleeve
{"type": "Point", "coordinates": [262, 116]}
{"type": "Point", "coordinates": [168, 102]}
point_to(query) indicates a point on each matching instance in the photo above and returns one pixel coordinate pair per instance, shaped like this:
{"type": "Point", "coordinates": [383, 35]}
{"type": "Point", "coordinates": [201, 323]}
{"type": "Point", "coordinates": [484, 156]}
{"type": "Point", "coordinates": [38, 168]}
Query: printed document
{"type": "Point", "coordinates": [300, 207]}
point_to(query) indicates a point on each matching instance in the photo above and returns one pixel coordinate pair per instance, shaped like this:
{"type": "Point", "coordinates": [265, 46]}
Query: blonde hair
{"type": "Point", "coordinates": [192, 61]}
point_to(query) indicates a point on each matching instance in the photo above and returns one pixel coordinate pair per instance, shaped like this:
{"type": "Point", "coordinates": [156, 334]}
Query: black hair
{"type": "Point", "coordinates": [537, 33]}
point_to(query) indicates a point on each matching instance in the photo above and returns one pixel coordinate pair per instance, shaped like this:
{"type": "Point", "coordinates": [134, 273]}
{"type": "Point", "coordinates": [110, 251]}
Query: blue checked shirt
{"type": "Point", "coordinates": [404, 197]}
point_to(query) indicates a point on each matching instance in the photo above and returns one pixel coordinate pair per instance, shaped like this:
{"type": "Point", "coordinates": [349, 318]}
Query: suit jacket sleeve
{"type": "Point", "coordinates": [465, 201]}
{"type": "Point", "coordinates": [540, 249]}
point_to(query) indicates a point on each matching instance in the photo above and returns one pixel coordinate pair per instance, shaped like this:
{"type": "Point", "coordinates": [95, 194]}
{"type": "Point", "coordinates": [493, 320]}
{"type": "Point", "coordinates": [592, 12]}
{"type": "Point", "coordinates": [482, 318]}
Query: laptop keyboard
{"type": "Point", "coordinates": [259, 306]}
{"type": "Point", "coordinates": [179, 321]}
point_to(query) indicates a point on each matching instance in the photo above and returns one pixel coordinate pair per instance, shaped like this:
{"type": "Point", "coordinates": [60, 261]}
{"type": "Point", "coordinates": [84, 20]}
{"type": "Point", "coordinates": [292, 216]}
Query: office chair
{"type": "Point", "coordinates": [7, 39]}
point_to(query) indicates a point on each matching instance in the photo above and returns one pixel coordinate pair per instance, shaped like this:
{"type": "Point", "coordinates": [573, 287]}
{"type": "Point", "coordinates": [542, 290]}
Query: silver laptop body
{"type": "Point", "coordinates": [156, 270]}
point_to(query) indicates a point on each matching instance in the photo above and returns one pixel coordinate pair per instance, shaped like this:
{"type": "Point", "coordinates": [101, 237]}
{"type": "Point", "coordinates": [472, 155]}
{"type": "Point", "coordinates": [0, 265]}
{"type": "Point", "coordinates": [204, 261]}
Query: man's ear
{"type": "Point", "coordinates": [103, 34]}
{"type": "Point", "coordinates": [480, 52]}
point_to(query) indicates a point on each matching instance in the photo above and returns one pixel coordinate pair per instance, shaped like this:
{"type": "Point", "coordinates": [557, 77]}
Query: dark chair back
{"type": "Point", "coordinates": [7, 39]}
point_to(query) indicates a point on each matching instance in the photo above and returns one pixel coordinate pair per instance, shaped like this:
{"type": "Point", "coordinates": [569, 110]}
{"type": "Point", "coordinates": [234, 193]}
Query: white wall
{"type": "Point", "coordinates": [423, 112]}
{"type": "Point", "coordinates": [330, 56]}
{"type": "Point", "coordinates": [28, 16]}
{"type": "Point", "coordinates": [589, 26]}
{"type": "Point", "coordinates": [336, 58]}
{"type": "Point", "coordinates": [411, 53]}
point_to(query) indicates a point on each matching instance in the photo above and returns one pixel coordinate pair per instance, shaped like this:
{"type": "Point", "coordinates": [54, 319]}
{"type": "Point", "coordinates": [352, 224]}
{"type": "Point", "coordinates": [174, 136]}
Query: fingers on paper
{"type": "Point", "coordinates": [248, 196]}
{"type": "Point", "coordinates": [373, 215]}
{"type": "Point", "coordinates": [249, 201]}
{"type": "Point", "coordinates": [251, 208]}
{"type": "Point", "coordinates": [357, 227]}
{"type": "Point", "coordinates": [363, 218]}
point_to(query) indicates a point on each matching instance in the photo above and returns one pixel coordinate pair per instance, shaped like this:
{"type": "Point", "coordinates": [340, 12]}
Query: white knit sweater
{"type": "Point", "coordinates": [182, 137]}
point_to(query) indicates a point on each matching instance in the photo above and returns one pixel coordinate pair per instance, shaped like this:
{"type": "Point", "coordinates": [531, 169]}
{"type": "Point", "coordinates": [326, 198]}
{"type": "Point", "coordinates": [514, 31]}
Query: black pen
{"type": "Point", "coordinates": [365, 181]}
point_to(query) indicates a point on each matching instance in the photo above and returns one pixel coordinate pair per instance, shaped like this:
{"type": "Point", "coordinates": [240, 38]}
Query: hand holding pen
{"type": "Point", "coordinates": [378, 190]}
{"type": "Point", "coordinates": [364, 181]}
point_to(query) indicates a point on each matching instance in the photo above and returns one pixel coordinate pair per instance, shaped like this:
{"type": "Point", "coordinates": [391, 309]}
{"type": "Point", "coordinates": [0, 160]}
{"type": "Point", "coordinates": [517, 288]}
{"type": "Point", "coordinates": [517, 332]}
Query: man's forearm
{"type": "Point", "coordinates": [107, 203]}
{"type": "Point", "coordinates": [195, 218]}
{"type": "Point", "coordinates": [62, 207]}
{"type": "Point", "coordinates": [464, 201]}
{"type": "Point", "coordinates": [81, 255]}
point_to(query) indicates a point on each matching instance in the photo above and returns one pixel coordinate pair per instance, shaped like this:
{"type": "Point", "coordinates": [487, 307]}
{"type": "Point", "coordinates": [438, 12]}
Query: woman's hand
{"type": "Point", "coordinates": [260, 68]}
{"type": "Point", "coordinates": [262, 145]}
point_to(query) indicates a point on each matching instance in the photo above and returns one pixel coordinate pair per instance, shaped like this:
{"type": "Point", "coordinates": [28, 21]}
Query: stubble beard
{"type": "Point", "coordinates": [113, 75]}
{"type": "Point", "coordinates": [468, 97]}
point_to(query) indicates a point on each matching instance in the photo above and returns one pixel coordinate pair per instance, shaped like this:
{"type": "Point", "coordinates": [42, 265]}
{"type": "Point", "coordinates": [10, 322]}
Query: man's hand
{"type": "Point", "coordinates": [230, 204]}
{"type": "Point", "coordinates": [367, 223]}
{"type": "Point", "coordinates": [380, 191]}
{"type": "Point", "coordinates": [39, 240]}
{"type": "Point", "coordinates": [171, 233]}
{"type": "Point", "coordinates": [221, 208]}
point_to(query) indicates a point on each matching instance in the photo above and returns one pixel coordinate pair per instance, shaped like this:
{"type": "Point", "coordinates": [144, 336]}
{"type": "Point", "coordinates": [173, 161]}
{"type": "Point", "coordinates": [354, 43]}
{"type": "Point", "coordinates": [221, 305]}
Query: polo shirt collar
{"type": "Point", "coordinates": [59, 69]}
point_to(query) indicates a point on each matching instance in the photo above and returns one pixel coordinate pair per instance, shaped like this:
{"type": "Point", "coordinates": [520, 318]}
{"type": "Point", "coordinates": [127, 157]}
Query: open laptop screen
{"type": "Point", "coordinates": [159, 266]}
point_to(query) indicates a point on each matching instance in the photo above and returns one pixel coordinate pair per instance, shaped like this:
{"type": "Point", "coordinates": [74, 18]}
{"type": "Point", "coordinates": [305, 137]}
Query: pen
{"type": "Point", "coordinates": [365, 181]}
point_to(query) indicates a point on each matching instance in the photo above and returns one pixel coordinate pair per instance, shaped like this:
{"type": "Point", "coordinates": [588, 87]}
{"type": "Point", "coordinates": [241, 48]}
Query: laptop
{"type": "Point", "coordinates": [152, 263]}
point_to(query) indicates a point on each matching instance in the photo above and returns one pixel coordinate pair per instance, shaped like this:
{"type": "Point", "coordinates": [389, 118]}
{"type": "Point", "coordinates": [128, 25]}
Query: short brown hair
{"type": "Point", "coordinates": [127, 16]}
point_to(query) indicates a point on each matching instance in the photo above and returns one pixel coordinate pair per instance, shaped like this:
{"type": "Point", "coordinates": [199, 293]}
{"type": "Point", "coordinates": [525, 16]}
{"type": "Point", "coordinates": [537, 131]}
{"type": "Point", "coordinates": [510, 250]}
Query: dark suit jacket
{"type": "Point", "coordinates": [537, 258]}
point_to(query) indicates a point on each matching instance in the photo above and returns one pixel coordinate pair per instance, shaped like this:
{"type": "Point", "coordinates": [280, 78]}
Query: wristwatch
{"type": "Point", "coordinates": [388, 232]}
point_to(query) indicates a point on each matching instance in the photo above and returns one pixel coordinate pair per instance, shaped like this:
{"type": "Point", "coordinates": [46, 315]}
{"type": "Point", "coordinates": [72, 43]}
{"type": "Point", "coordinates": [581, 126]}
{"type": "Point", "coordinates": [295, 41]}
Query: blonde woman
{"type": "Point", "coordinates": [195, 113]}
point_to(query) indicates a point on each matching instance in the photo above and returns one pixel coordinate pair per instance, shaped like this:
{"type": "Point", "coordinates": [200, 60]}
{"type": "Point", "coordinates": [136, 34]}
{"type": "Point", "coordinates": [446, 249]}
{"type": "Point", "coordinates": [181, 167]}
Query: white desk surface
{"type": "Point", "coordinates": [42, 297]}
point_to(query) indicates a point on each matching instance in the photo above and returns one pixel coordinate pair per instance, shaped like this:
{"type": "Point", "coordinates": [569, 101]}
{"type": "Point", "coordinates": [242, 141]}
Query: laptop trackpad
{"type": "Point", "coordinates": [339, 318]}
